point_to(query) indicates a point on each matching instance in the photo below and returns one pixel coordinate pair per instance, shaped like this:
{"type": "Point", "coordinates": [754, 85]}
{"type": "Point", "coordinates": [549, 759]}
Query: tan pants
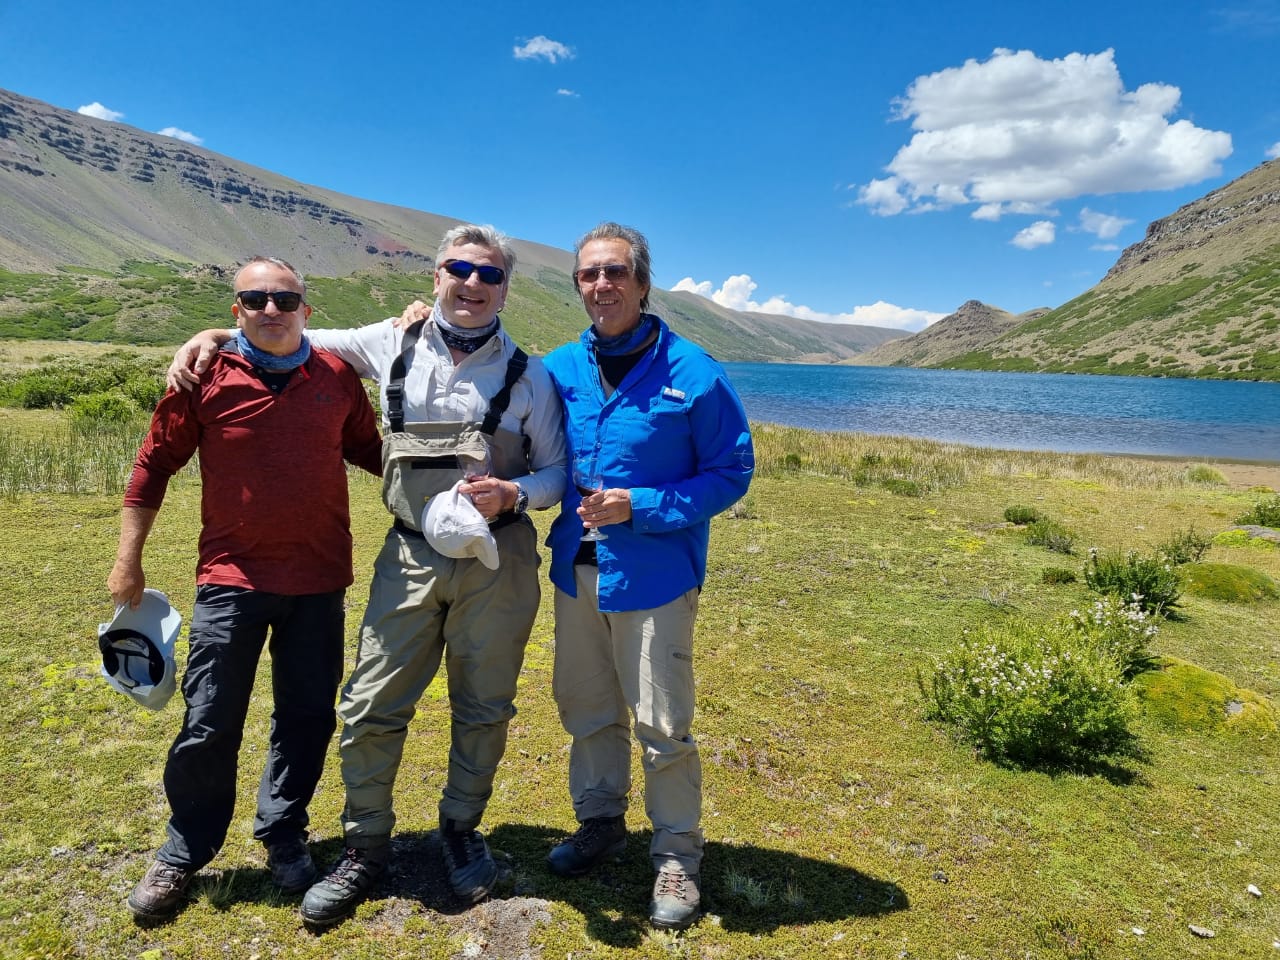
{"type": "Point", "coordinates": [424, 606]}
{"type": "Point", "coordinates": [611, 668]}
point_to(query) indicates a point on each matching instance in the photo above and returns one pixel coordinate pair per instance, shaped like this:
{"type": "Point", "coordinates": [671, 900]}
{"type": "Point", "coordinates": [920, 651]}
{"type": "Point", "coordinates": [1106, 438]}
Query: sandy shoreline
{"type": "Point", "coordinates": [1240, 474]}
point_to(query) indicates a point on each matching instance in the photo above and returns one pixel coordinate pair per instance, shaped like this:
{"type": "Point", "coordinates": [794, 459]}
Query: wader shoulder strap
{"type": "Point", "coordinates": [516, 367]}
{"type": "Point", "coordinates": [399, 367]}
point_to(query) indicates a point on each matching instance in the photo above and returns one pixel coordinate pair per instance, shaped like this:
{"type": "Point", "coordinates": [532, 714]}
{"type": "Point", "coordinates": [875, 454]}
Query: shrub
{"type": "Point", "coordinates": [1032, 697]}
{"type": "Point", "coordinates": [1188, 546]}
{"type": "Point", "coordinates": [1051, 535]}
{"type": "Point", "coordinates": [1204, 474]}
{"type": "Point", "coordinates": [111, 407]}
{"type": "Point", "coordinates": [1152, 582]}
{"type": "Point", "coordinates": [791, 461]}
{"type": "Point", "coordinates": [903, 487]}
{"type": "Point", "coordinates": [1052, 575]}
{"type": "Point", "coordinates": [1021, 515]}
{"type": "Point", "coordinates": [1119, 629]}
{"type": "Point", "coordinates": [1265, 513]}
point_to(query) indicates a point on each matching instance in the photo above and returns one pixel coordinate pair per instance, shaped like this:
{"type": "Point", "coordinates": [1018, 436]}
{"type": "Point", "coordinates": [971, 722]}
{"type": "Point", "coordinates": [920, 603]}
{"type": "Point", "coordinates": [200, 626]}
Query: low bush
{"type": "Point", "coordinates": [1265, 513]}
{"type": "Point", "coordinates": [1152, 582]}
{"type": "Point", "coordinates": [1050, 535]}
{"type": "Point", "coordinates": [1204, 474]}
{"type": "Point", "coordinates": [1032, 697]}
{"type": "Point", "coordinates": [1189, 546]}
{"type": "Point", "coordinates": [1052, 575]}
{"type": "Point", "coordinates": [1020, 514]}
{"type": "Point", "coordinates": [112, 407]}
{"type": "Point", "coordinates": [1119, 629]}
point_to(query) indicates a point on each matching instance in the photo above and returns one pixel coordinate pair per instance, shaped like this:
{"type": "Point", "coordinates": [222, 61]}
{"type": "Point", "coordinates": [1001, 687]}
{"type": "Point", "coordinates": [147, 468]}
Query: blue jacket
{"type": "Point", "coordinates": [674, 433]}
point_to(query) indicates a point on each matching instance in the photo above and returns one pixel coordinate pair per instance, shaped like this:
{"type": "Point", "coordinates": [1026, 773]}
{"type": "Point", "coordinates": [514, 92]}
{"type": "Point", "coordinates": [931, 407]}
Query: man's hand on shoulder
{"type": "Point", "coordinates": [193, 358]}
{"type": "Point", "coordinates": [418, 310]}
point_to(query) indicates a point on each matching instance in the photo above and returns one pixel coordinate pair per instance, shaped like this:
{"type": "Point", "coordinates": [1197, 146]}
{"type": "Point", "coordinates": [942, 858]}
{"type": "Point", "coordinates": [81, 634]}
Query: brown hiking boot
{"type": "Point", "coordinates": [159, 892]}
{"type": "Point", "coordinates": [677, 901]}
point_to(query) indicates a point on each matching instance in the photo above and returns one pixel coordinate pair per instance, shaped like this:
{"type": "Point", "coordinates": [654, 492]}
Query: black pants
{"type": "Point", "coordinates": [228, 631]}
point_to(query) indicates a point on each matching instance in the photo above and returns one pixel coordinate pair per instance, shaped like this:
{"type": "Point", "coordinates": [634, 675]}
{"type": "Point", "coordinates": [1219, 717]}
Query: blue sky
{"type": "Point", "coordinates": [876, 163]}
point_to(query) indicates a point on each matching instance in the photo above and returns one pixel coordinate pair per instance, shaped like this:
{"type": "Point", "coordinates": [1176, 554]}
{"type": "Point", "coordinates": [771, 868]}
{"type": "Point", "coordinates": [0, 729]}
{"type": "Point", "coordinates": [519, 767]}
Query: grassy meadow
{"type": "Point", "coordinates": [840, 820]}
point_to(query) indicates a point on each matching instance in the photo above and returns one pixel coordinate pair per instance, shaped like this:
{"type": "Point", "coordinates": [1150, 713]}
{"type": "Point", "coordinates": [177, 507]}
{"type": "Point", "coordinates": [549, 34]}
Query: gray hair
{"type": "Point", "coordinates": [277, 262]}
{"type": "Point", "coordinates": [640, 262]}
{"type": "Point", "coordinates": [482, 235]}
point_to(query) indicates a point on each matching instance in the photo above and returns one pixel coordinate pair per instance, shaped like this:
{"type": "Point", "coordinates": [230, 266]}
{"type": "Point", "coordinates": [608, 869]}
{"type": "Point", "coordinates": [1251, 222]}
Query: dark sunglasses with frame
{"type": "Point", "coordinates": [613, 272]}
{"type": "Point", "coordinates": [286, 301]}
{"type": "Point", "coordinates": [463, 269]}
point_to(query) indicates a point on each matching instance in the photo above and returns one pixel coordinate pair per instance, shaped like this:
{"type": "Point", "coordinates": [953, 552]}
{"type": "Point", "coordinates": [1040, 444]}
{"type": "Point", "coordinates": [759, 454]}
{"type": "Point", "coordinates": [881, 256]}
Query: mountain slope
{"type": "Point", "coordinates": [1198, 296]}
{"type": "Point", "coordinates": [77, 193]}
{"type": "Point", "coordinates": [970, 328]}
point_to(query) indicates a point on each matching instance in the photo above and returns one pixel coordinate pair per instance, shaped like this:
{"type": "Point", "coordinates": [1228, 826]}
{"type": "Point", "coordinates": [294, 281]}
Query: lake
{"type": "Point", "coordinates": [1202, 419]}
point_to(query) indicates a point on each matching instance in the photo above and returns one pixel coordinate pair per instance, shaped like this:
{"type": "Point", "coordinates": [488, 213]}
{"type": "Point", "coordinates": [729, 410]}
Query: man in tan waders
{"type": "Point", "coordinates": [454, 388]}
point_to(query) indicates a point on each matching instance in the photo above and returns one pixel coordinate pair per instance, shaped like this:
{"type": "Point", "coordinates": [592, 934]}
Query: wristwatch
{"type": "Point", "coordinates": [522, 501]}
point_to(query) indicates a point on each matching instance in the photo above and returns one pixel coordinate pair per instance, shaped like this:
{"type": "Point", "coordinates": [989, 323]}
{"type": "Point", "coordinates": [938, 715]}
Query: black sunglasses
{"type": "Point", "coordinates": [286, 301]}
{"type": "Point", "coordinates": [463, 269]}
{"type": "Point", "coordinates": [613, 272]}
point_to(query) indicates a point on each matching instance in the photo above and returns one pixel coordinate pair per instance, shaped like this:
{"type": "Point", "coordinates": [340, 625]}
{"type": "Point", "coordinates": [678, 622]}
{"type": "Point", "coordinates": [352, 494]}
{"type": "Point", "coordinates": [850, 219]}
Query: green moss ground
{"type": "Point", "coordinates": [839, 822]}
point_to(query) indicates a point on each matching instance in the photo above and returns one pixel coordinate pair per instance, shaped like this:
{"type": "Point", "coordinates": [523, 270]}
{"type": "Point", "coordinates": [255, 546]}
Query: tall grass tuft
{"type": "Point", "coordinates": [84, 456]}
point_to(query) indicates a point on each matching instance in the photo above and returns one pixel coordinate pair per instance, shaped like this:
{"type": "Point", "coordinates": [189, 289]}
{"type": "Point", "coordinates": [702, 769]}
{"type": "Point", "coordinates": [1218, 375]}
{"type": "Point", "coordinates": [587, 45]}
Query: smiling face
{"type": "Point", "coordinates": [614, 306]}
{"type": "Point", "coordinates": [471, 302]}
{"type": "Point", "coordinates": [269, 329]}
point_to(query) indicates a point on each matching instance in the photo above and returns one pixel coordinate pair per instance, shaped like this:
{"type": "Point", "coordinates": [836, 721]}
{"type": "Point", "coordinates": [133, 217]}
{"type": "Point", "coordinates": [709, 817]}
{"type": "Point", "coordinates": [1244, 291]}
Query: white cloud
{"type": "Point", "coordinates": [1105, 247]}
{"type": "Point", "coordinates": [96, 109]}
{"type": "Point", "coordinates": [736, 292]}
{"type": "Point", "coordinates": [1273, 151]}
{"type": "Point", "coordinates": [1037, 235]}
{"type": "Point", "coordinates": [179, 134]}
{"type": "Point", "coordinates": [1103, 225]}
{"type": "Point", "coordinates": [564, 92]}
{"type": "Point", "coordinates": [1016, 129]}
{"type": "Point", "coordinates": [994, 211]}
{"type": "Point", "coordinates": [547, 49]}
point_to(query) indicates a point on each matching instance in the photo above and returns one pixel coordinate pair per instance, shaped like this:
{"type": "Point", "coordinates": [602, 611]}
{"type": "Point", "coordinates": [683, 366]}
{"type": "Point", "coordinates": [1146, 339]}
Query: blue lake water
{"type": "Point", "coordinates": [1203, 419]}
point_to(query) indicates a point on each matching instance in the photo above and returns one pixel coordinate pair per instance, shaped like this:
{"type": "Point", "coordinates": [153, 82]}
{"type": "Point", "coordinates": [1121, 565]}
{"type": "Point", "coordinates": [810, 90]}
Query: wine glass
{"type": "Point", "coordinates": [587, 478]}
{"type": "Point", "coordinates": [475, 466]}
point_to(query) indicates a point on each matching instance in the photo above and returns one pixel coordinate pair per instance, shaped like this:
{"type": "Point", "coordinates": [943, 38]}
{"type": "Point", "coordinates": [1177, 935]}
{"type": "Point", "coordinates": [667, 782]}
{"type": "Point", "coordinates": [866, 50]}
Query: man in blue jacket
{"type": "Point", "coordinates": [663, 442]}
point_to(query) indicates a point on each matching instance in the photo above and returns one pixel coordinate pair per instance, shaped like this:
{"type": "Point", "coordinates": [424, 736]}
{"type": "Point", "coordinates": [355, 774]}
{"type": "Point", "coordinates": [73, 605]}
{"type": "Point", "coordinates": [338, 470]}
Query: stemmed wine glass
{"type": "Point", "coordinates": [475, 466]}
{"type": "Point", "coordinates": [587, 478]}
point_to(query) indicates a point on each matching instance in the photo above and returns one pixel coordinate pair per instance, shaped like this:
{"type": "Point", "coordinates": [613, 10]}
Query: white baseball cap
{"type": "Point", "coordinates": [452, 524]}
{"type": "Point", "coordinates": [137, 650]}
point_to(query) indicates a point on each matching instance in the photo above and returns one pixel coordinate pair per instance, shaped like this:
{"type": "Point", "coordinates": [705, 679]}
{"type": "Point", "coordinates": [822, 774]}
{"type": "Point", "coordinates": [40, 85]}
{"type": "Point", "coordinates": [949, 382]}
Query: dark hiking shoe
{"type": "Point", "coordinates": [677, 901]}
{"type": "Point", "coordinates": [159, 892]}
{"type": "Point", "coordinates": [472, 872]}
{"type": "Point", "coordinates": [335, 896]}
{"type": "Point", "coordinates": [292, 869]}
{"type": "Point", "coordinates": [597, 839]}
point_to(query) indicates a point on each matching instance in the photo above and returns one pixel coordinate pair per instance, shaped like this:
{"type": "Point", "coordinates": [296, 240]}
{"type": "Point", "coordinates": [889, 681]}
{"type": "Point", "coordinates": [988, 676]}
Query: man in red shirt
{"type": "Point", "coordinates": [273, 421]}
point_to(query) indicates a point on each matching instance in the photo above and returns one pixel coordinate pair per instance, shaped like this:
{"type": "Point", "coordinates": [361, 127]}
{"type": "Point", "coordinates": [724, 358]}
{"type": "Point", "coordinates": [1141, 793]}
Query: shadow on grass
{"type": "Point", "coordinates": [750, 889]}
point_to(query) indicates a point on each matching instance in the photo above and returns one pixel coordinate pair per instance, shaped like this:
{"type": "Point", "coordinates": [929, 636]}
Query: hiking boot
{"type": "Point", "coordinates": [160, 890]}
{"type": "Point", "coordinates": [292, 869]}
{"type": "Point", "coordinates": [335, 896]}
{"type": "Point", "coordinates": [677, 901]}
{"type": "Point", "coordinates": [472, 872]}
{"type": "Point", "coordinates": [597, 839]}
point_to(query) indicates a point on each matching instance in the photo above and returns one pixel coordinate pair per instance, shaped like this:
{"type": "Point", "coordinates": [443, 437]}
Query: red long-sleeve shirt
{"type": "Point", "coordinates": [274, 509]}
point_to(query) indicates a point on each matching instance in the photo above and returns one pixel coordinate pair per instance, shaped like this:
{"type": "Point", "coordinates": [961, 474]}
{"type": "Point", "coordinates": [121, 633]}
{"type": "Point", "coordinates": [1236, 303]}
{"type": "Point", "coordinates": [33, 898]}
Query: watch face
{"type": "Point", "coordinates": [522, 501]}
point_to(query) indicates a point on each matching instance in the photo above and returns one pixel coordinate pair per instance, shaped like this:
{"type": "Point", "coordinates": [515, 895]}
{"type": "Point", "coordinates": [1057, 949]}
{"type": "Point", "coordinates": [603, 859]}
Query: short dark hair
{"type": "Point", "coordinates": [641, 264]}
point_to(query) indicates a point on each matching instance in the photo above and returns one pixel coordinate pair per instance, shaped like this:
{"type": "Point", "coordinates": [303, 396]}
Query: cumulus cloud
{"type": "Point", "coordinates": [1016, 129]}
{"type": "Point", "coordinates": [1037, 235]}
{"type": "Point", "coordinates": [737, 291]}
{"type": "Point", "coordinates": [565, 92]}
{"type": "Point", "coordinates": [543, 47]}
{"type": "Point", "coordinates": [1273, 151]}
{"type": "Point", "coordinates": [179, 134]}
{"type": "Point", "coordinates": [1102, 225]}
{"type": "Point", "coordinates": [96, 109]}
